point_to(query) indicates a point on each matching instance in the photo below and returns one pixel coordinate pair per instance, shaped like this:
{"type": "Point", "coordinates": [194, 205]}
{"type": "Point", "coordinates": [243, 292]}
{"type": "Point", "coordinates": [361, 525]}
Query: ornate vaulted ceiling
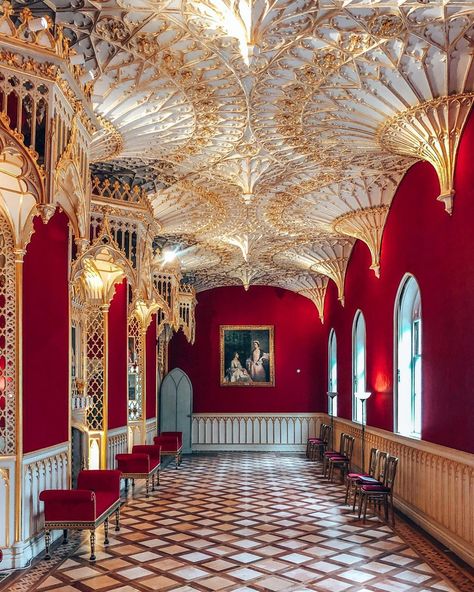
{"type": "Point", "coordinates": [270, 134]}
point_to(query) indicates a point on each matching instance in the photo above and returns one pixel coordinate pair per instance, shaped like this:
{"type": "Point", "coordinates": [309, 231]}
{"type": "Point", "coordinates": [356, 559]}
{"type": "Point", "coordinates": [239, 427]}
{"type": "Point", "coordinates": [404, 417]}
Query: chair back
{"type": "Point", "coordinates": [342, 442]}
{"type": "Point", "coordinates": [327, 436]}
{"type": "Point", "coordinates": [391, 472]}
{"type": "Point", "coordinates": [322, 429]}
{"type": "Point", "coordinates": [373, 461]}
{"type": "Point", "coordinates": [382, 466]}
{"type": "Point", "coordinates": [349, 446]}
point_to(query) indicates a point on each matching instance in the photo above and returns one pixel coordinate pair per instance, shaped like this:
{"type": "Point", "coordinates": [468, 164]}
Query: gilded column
{"type": "Point", "coordinates": [19, 255]}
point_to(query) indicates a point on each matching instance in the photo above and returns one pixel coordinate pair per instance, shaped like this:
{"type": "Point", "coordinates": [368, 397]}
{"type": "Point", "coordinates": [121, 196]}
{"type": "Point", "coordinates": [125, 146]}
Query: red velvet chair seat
{"type": "Point", "coordinates": [139, 465]}
{"type": "Point", "coordinates": [171, 445]}
{"type": "Point", "coordinates": [368, 480]}
{"type": "Point", "coordinates": [357, 475]}
{"type": "Point", "coordinates": [178, 435]}
{"type": "Point", "coordinates": [376, 488]}
{"type": "Point", "coordinates": [85, 508]}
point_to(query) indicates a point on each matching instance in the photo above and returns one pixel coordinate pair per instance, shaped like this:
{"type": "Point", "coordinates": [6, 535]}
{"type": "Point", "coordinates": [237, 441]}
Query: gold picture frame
{"type": "Point", "coordinates": [247, 355]}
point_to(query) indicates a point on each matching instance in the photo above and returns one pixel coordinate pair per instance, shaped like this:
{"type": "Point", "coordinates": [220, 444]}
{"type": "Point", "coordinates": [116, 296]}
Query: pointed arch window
{"type": "Point", "coordinates": [332, 371]}
{"type": "Point", "coordinates": [358, 364]}
{"type": "Point", "coordinates": [408, 359]}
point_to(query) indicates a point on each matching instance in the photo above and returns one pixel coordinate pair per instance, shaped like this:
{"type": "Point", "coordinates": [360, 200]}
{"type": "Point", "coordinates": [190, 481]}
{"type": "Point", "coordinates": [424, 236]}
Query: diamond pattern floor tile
{"type": "Point", "coordinates": [243, 522]}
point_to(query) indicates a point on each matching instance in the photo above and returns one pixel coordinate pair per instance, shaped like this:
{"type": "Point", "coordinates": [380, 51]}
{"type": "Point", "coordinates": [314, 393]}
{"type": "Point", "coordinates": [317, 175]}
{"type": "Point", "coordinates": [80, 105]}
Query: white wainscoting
{"type": "Point", "coordinates": [117, 443]}
{"type": "Point", "coordinates": [7, 501]}
{"type": "Point", "coordinates": [250, 431]}
{"type": "Point", "coordinates": [434, 484]}
{"type": "Point", "coordinates": [151, 430]}
{"type": "Point", "coordinates": [42, 469]}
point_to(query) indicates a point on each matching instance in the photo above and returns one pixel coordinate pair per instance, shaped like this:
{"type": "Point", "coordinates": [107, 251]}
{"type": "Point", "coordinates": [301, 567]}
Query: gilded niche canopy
{"type": "Point", "coordinates": [271, 134]}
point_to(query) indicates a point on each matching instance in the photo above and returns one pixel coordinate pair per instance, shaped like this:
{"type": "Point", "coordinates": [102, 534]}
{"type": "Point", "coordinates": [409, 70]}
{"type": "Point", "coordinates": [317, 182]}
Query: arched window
{"type": "Point", "coordinates": [408, 359]}
{"type": "Point", "coordinates": [358, 364]}
{"type": "Point", "coordinates": [332, 371]}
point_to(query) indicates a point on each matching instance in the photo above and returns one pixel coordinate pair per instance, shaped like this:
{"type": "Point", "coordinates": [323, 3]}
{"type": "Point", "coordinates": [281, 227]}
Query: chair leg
{"type": "Point", "coordinates": [153, 482]}
{"type": "Point", "coordinates": [348, 484]}
{"type": "Point", "coordinates": [356, 493]}
{"type": "Point", "coordinates": [106, 531]}
{"type": "Point", "coordinates": [176, 461]}
{"type": "Point", "coordinates": [65, 536]}
{"type": "Point", "coordinates": [117, 519]}
{"type": "Point", "coordinates": [365, 508]}
{"type": "Point", "coordinates": [47, 542]}
{"type": "Point", "coordinates": [147, 486]}
{"type": "Point", "coordinates": [393, 510]}
{"type": "Point", "coordinates": [158, 477]}
{"type": "Point", "coordinates": [92, 557]}
{"type": "Point", "coordinates": [361, 503]}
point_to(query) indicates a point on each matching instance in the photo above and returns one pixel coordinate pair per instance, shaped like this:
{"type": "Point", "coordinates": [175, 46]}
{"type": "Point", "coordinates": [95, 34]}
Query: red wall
{"type": "Point", "coordinates": [298, 338]}
{"type": "Point", "coordinates": [419, 238]}
{"type": "Point", "coordinates": [46, 335]}
{"type": "Point", "coordinates": [151, 361]}
{"type": "Point", "coordinates": [118, 358]}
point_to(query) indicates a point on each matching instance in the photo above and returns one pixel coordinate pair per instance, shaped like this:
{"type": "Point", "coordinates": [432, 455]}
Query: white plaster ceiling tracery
{"type": "Point", "coordinates": [256, 124]}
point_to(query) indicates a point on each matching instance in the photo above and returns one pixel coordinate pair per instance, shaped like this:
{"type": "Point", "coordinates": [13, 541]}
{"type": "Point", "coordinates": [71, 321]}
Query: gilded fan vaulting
{"type": "Point", "coordinates": [270, 134]}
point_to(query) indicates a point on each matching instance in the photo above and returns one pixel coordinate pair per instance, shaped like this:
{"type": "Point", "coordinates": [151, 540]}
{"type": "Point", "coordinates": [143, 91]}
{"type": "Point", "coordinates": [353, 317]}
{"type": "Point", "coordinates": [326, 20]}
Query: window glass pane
{"type": "Point", "coordinates": [332, 382]}
{"type": "Point", "coordinates": [359, 358]}
{"type": "Point", "coordinates": [409, 352]}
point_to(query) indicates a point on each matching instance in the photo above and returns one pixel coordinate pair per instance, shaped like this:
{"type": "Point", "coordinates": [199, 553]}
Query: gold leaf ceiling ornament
{"type": "Point", "coordinates": [315, 289]}
{"type": "Point", "coordinates": [431, 131]}
{"type": "Point", "coordinates": [289, 122]}
{"type": "Point", "coordinates": [367, 225]}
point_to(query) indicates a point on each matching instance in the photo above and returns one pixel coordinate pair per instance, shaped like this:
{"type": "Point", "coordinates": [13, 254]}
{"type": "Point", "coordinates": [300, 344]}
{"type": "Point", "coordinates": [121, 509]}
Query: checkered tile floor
{"type": "Point", "coordinates": [244, 522]}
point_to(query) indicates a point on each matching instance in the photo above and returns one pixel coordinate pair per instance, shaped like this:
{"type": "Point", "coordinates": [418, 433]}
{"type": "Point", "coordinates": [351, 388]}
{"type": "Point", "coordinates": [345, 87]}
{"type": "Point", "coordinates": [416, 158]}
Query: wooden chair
{"type": "Point", "coordinates": [313, 440]}
{"type": "Point", "coordinates": [343, 461]}
{"type": "Point", "coordinates": [352, 478]}
{"type": "Point", "coordinates": [330, 453]}
{"type": "Point", "coordinates": [381, 492]}
{"type": "Point", "coordinates": [319, 445]}
{"type": "Point", "coordinates": [376, 479]}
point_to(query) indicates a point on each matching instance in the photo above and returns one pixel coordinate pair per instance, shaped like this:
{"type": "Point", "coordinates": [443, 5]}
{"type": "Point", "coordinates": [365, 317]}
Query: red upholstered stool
{"type": "Point", "coordinates": [154, 452]}
{"type": "Point", "coordinates": [138, 465]}
{"type": "Point", "coordinates": [178, 435]}
{"type": "Point", "coordinates": [171, 445]}
{"type": "Point", "coordinates": [96, 498]}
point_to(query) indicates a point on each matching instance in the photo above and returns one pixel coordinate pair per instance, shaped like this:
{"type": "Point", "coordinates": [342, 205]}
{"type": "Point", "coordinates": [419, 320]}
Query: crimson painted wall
{"type": "Point", "coordinates": [46, 335]}
{"type": "Point", "coordinates": [151, 362]}
{"type": "Point", "coordinates": [298, 339]}
{"type": "Point", "coordinates": [118, 358]}
{"type": "Point", "coordinates": [422, 239]}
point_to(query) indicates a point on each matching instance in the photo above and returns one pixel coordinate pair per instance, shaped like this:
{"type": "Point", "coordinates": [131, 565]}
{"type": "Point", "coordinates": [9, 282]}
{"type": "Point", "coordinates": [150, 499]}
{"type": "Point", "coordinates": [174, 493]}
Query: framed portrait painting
{"type": "Point", "coordinates": [247, 355]}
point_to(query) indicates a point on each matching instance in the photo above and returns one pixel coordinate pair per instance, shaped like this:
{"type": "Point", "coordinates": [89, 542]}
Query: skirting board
{"type": "Point", "coordinates": [437, 531]}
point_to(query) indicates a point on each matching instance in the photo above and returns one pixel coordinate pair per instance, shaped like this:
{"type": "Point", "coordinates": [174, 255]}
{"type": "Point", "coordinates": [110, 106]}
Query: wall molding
{"type": "Point", "coordinates": [252, 431]}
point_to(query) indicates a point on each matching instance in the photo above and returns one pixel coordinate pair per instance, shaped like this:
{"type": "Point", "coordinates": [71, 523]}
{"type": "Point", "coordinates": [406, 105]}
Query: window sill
{"type": "Point", "coordinates": [411, 435]}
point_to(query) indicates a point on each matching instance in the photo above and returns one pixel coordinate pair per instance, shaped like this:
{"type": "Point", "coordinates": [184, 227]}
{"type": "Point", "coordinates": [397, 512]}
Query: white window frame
{"type": "Point", "coordinates": [332, 372]}
{"type": "Point", "coordinates": [408, 321]}
{"type": "Point", "coordinates": [359, 374]}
